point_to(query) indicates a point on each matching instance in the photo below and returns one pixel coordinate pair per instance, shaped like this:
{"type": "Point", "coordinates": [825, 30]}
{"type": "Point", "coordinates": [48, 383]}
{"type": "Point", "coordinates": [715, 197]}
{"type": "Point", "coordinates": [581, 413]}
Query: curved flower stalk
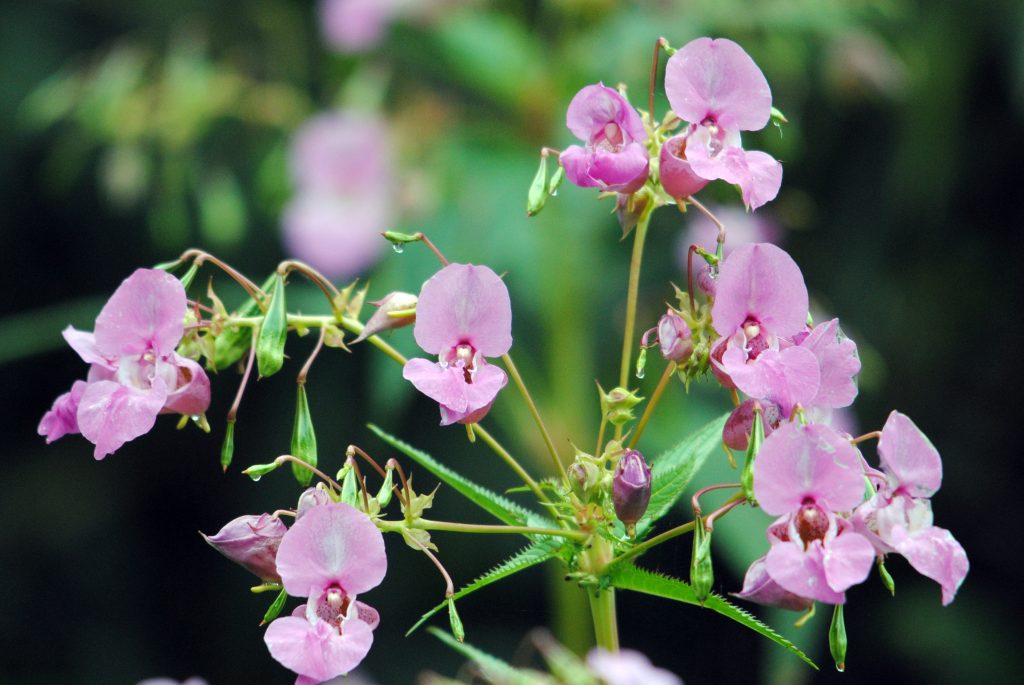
{"type": "Point", "coordinates": [135, 373]}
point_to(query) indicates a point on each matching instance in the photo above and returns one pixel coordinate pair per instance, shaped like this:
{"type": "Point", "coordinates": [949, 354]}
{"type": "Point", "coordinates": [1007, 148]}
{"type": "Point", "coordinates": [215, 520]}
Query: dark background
{"type": "Point", "coordinates": [901, 203]}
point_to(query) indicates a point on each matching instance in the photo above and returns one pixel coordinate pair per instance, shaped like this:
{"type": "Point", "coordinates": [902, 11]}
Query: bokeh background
{"type": "Point", "coordinates": [130, 131]}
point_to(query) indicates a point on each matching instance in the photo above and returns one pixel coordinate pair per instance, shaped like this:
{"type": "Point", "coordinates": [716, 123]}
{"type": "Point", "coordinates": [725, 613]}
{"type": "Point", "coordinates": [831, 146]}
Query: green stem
{"type": "Point", "coordinates": [606, 626]}
{"type": "Point", "coordinates": [518, 380]}
{"type": "Point", "coordinates": [652, 542]}
{"type": "Point", "coordinates": [511, 461]}
{"type": "Point", "coordinates": [426, 524]}
{"type": "Point", "coordinates": [655, 398]}
{"type": "Point", "coordinates": [639, 236]}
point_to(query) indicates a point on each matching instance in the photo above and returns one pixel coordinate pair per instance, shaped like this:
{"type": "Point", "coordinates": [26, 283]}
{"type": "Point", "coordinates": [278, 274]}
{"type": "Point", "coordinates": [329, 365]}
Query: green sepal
{"type": "Point", "coordinates": [273, 333]}
{"type": "Point", "coordinates": [628, 577]}
{"type": "Point", "coordinates": [702, 573]}
{"type": "Point", "coordinates": [189, 276]}
{"type": "Point", "coordinates": [227, 449]}
{"type": "Point", "coordinates": [303, 439]}
{"type": "Point", "coordinates": [349, 486]}
{"type": "Point", "coordinates": [837, 638]}
{"type": "Point", "coordinates": [753, 447]}
{"type": "Point", "coordinates": [778, 117]}
{"type": "Point", "coordinates": [537, 196]}
{"type": "Point", "coordinates": [458, 630]}
{"type": "Point", "coordinates": [274, 610]}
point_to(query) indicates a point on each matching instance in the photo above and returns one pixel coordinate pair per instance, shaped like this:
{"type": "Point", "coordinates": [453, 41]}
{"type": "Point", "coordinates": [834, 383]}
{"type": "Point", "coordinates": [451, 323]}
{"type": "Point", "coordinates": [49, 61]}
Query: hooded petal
{"type": "Point", "coordinates": [597, 105]}
{"type": "Point", "coordinates": [111, 414]}
{"type": "Point", "coordinates": [848, 560]}
{"type": "Point", "coordinates": [763, 283]}
{"type": "Point", "coordinates": [251, 541]}
{"type": "Point", "coordinates": [839, 364]}
{"type": "Point", "coordinates": [762, 180]}
{"type": "Point", "coordinates": [718, 79]}
{"type": "Point", "coordinates": [332, 543]}
{"type": "Point", "coordinates": [798, 462]}
{"type": "Point", "coordinates": [146, 312]}
{"type": "Point", "coordinates": [802, 572]}
{"type": "Point", "coordinates": [192, 392]}
{"type": "Point", "coordinates": [936, 554]}
{"type": "Point", "coordinates": [909, 455]}
{"type": "Point", "coordinates": [463, 303]}
{"type": "Point", "coordinates": [677, 177]}
{"type": "Point", "coordinates": [444, 384]}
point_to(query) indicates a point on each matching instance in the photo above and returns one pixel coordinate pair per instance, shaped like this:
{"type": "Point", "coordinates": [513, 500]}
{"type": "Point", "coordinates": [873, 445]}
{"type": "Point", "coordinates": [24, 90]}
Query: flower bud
{"type": "Point", "coordinates": [631, 488]}
{"type": "Point", "coordinates": [537, 196]}
{"type": "Point", "coordinates": [251, 541]}
{"type": "Point", "coordinates": [674, 337]}
{"type": "Point", "coordinates": [394, 310]}
{"type": "Point", "coordinates": [303, 439]}
{"type": "Point", "coordinates": [738, 427]}
{"type": "Point", "coordinates": [837, 638]}
{"type": "Point", "coordinates": [617, 405]}
{"type": "Point", "coordinates": [311, 497]}
{"type": "Point", "coordinates": [677, 178]}
{"type": "Point", "coordinates": [584, 477]}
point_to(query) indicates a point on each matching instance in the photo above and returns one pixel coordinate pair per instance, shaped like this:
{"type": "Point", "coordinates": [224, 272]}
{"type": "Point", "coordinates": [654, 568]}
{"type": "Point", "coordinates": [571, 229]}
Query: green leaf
{"type": "Point", "coordinates": [491, 667]}
{"type": "Point", "coordinates": [672, 471]}
{"type": "Point", "coordinates": [629, 577]}
{"type": "Point", "coordinates": [501, 508]}
{"type": "Point", "coordinates": [529, 556]}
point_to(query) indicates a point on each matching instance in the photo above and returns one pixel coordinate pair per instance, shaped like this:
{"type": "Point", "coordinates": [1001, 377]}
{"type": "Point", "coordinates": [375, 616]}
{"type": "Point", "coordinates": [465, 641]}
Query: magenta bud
{"type": "Point", "coordinates": [311, 497]}
{"type": "Point", "coordinates": [631, 487]}
{"type": "Point", "coordinates": [251, 542]}
{"type": "Point", "coordinates": [736, 434]}
{"type": "Point", "coordinates": [677, 177]}
{"type": "Point", "coordinates": [674, 337]}
{"type": "Point", "coordinates": [394, 310]}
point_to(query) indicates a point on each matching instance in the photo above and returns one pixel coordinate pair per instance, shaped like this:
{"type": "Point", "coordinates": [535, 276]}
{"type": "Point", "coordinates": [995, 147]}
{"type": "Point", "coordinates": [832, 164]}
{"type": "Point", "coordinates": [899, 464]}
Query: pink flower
{"type": "Point", "coordinates": [614, 157]}
{"type": "Point", "coordinates": [329, 556]}
{"type": "Point", "coordinates": [355, 25]}
{"type": "Point", "coordinates": [714, 85]}
{"type": "Point", "coordinates": [759, 587]}
{"type": "Point", "coordinates": [804, 475]}
{"type": "Point", "coordinates": [251, 541]}
{"type": "Point", "coordinates": [464, 314]}
{"type": "Point", "coordinates": [135, 373]}
{"type": "Point", "coordinates": [899, 516]}
{"type": "Point", "coordinates": [627, 667]}
{"type": "Point", "coordinates": [761, 300]}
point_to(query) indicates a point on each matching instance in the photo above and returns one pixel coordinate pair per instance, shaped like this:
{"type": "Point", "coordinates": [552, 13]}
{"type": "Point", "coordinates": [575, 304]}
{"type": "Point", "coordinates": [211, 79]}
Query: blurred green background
{"type": "Point", "coordinates": [131, 131]}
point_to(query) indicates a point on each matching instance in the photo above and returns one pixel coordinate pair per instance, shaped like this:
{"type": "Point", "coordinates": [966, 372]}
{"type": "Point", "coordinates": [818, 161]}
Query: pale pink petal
{"type": "Point", "coordinates": [763, 283]}
{"type": "Point", "coordinates": [316, 650]}
{"type": "Point", "coordinates": [368, 615]}
{"type": "Point", "coordinates": [627, 667]}
{"type": "Point", "coordinates": [333, 543]}
{"type": "Point", "coordinates": [729, 164]}
{"type": "Point", "coordinates": [848, 560]}
{"type": "Point", "coordinates": [936, 554]}
{"type": "Point", "coordinates": [839, 363]}
{"type": "Point", "coordinates": [576, 162]}
{"type": "Point", "coordinates": [798, 462]}
{"type": "Point", "coordinates": [487, 382]}
{"type": "Point", "coordinates": [801, 572]}
{"type": "Point", "coordinates": [909, 455]}
{"type": "Point", "coordinates": [146, 312]}
{"type": "Point", "coordinates": [84, 343]}
{"type": "Point", "coordinates": [762, 180]}
{"type": "Point", "coordinates": [251, 541]}
{"type": "Point", "coordinates": [343, 152]}
{"type": "Point", "coordinates": [718, 79]}
{"type": "Point", "coordinates": [445, 385]}
{"type": "Point", "coordinates": [464, 304]}
{"type": "Point", "coordinates": [191, 395]}
{"type": "Point", "coordinates": [677, 176]}
{"type": "Point", "coordinates": [595, 106]}
{"type": "Point", "coordinates": [759, 587]}
{"type": "Point", "coordinates": [62, 418]}
{"type": "Point", "coordinates": [622, 172]}
{"type": "Point", "coordinates": [787, 377]}
{"type": "Point", "coordinates": [111, 414]}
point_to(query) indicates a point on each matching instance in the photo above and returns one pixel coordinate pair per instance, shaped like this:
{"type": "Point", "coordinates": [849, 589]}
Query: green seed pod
{"type": "Point", "coordinates": [303, 439]}
{"type": "Point", "coordinates": [274, 610]}
{"type": "Point", "coordinates": [702, 573]}
{"type": "Point", "coordinates": [453, 618]}
{"type": "Point", "coordinates": [537, 197]}
{"type": "Point", "coordinates": [837, 638]}
{"type": "Point", "coordinates": [273, 333]}
{"type": "Point", "coordinates": [227, 450]}
{"type": "Point", "coordinates": [756, 440]}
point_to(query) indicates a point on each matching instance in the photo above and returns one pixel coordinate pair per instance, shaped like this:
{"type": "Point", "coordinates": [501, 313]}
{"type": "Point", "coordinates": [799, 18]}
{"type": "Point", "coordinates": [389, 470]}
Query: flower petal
{"type": "Point", "coordinates": [759, 587]}
{"type": "Point", "coordinates": [63, 415]}
{"type": "Point", "coordinates": [848, 560]}
{"type": "Point", "coordinates": [909, 455]}
{"type": "Point", "coordinates": [443, 384]}
{"type": "Point", "coordinates": [84, 343]}
{"type": "Point", "coordinates": [316, 649]}
{"type": "Point", "coordinates": [595, 106]}
{"type": "Point", "coordinates": [192, 393]}
{"type": "Point", "coordinates": [760, 282]}
{"type": "Point", "coordinates": [839, 364]}
{"type": "Point", "coordinates": [936, 554]}
{"type": "Point", "coordinates": [801, 572]}
{"type": "Point", "coordinates": [111, 414]}
{"type": "Point", "coordinates": [463, 303]}
{"type": "Point", "coordinates": [146, 312]}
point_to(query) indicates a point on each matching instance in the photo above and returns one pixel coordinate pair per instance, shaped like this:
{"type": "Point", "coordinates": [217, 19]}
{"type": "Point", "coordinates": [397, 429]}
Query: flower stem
{"type": "Point", "coordinates": [639, 236]}
{"type": "Point", "coordinates": [653, 542]}
{"type": "Point", "coordinates": [666, 376]}
{"type": "Point", "coordinates": [606, 626]}
{"type": "Point", "coordinates": [518, 380]}
{"type": "Point", "coordinates": [483, 528]}
{"type": "Point", "coordinates": [511, 461]}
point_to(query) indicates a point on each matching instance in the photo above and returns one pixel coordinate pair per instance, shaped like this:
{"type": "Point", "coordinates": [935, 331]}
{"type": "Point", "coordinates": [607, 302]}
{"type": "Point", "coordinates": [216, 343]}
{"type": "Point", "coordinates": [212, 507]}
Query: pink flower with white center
{"type": "Point", "coordinates": [627, 667]}
{"type": "Point", "coordinates": [135, 373]}
{"type": "Point", "coordinates": [463, 315]}
{"type": "Point", "coordinates": [898, 518]}
{"type": "Point", "coordinates": [329, 556]}
{"type": "Point", "coordinates": [804, 474]}
{"type": "Point", "coordinates": [714, 85]}
{"type": "Point", "coordinates": [761, 300]}
{"type": "Point", "coordinates": [613, 157]}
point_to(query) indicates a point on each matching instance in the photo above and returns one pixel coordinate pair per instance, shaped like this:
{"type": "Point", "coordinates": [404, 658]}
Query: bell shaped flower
{"type": "Point", "coordinates": [464, 314]}
{"type": "Point", "coordinates": [761, 300]}
{"type": "Point", "coordinates": [135, 373]}
{"type": "Point", "coordinates": [804, 475]}
{"type": "Point", "coordinates": [251, 541]}
{"type": "Point", "coordinates": [329, 556]}
{"type": "Point", "coordinates": [627, 667]}
{"type": "Point", "coordinates": [631, 487]}
{"type": "Point", "coordinates": [898, 518]}
{"type": "Point", "coordinates": [716, 87]}
{"type": "Point", "coordinates": [613, 156]}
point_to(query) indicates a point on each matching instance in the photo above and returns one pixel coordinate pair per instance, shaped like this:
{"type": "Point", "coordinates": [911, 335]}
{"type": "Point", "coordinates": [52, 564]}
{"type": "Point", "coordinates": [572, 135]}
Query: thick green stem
{"type": "Point", "coordinates": [606, 625]}
{"type": "Point", "coordinates": [639, 236]}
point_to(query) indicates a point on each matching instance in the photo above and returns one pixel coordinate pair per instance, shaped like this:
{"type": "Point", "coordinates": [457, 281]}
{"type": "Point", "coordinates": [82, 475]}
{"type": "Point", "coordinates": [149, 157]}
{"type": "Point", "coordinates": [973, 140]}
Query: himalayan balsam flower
{"type": "Point", "coordinates": [463, 315]}
{"type": "Point", "coordinates": [135, 372]}
{"type": "Point", "coordinates": [899, 516]}
{"type": "Point", "coordinates": [804, 475]}
{"type": "Point", "coordinates": [613, 156]}
{"type": "Point", "coordinates": [355, 25]}
{"type": "Point", "coordinates": [627, 667]}
{"type": "Point", "coordinates": [251, 541]}
{"type": "Point", "coordinates": [714, 85]}
{"type": "Point", "coordinates": [329, 556]}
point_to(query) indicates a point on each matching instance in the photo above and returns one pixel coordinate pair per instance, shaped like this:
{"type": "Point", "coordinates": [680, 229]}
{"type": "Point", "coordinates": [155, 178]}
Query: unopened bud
{"type": "Point", "coordinates": [273, 333]}
{"type": "Point", "coordinates": [837, 638]}
{"type": "Point", "coordinates": [251, 541]}
{"type": "Point", "coordinates": [674, 338]}
{"type": "Point", "coordinates": [537, 196]}
{"type": "Point", "coordinates": [677, 177]}
{"type": "Point", "coordinates": [303, 439]}
{"type": "Point", "coordinates": [631, 488]}
{"type": "Point", "coordinates": [311, 497]}
{"type": "Point", "coordinates": [702, 573]}
{"type": "Point", "coordinates": [394, 310]}
{"type": "Point", "coordinates": [617, 405]}
{"type": "Point", "coordinates": [740, 424]}
{"type": "Point", "coordinates": [584, 477]}
{"type": "Point", "coordinates": [387, 488]}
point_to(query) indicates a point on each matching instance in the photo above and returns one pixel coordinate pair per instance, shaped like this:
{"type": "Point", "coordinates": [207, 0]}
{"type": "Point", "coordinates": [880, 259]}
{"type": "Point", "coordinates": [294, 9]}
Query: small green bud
{"type": "Point", "coordinates": [778, 117]}
{"type": "Point", "coordinates": [227, 450]}
{"type": "Point", "coordinates": [537, 196]}
{"type": "Point", "coordinates": [837, 638]}
{"type": "Point", "coordinates": [349, 486]}
{"type": "Point", "coordinates": [617, 405]}
{"type": "Point", "coordinates": [274, 610]}
{"type": "Point", "coordinates": [702, 573]}
{"type": "Point", "coordinates": [303, 439]}
{"type": "Point", "coordinates": [584, 478]}
{"type": "Point", "coordinates": [387, 489]}
{"type": "Point", "coordinates": [756, 440]}
{"type": "Point", "coordinates": [556, 180]}
{"type": "Point", "coordinates": [273, 333]}
{"type": "Point", "coordinates": [257, 471]}
{"type": "Point", "coordinates": [396, 238]}
{"type": "Point", "coordinates": [453, 618]}
{"type": "Point", "coordinates": [887, 580]}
